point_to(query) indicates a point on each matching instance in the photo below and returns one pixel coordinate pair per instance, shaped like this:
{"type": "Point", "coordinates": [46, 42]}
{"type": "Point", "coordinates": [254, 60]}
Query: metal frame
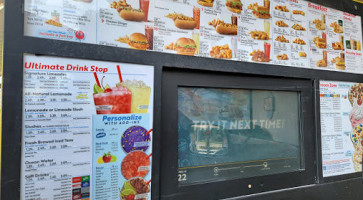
{"type": "Point", "coordinates": [170, 188]}
{"type": "Point", "coordinates": [16, 44]}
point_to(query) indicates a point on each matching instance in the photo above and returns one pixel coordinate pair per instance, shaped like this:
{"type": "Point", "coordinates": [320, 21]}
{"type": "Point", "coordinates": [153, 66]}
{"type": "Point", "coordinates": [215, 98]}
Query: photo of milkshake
{"type": "Point", "coordinates": [355, 95]}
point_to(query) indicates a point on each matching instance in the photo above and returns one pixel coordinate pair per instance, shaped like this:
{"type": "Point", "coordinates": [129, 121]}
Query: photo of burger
{"type": "Point", "coordinates": [183, 46]}
{"type": "Point", "coordinates": [135, 41]}
{"type": "Point", "coordinates": [262, 12]}
{"type": "Point", "coordinates": [234, 6]}
{"type": "Point", "coordinates": [339, 62]}
{"type": "Point", "coordinates": [206, 3]}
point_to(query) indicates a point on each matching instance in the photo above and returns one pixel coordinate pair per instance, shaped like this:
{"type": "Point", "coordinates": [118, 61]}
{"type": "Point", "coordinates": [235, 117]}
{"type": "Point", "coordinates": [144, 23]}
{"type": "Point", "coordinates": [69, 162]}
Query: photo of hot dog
{"type": "Point", "coordinates": [181, 21]}
{"type": "Point", "coordinates": [223, 28]}
{"type": "Point", "coordinates": [183, 46]}
{"type": "Point", "coordinates": [128, 13]}
{"type": "Point", "coordinates": [131, 14]}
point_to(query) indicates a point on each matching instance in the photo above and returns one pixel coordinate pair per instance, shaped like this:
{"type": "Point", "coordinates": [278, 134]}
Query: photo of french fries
{"type": "Point", "coordinates": [221, 52]}
{"type": "Point", "coordinates": [282, 8]}
{"type": "Point", "coordinates": [259, 35]}
{"type": "Point", "coordinates": [299, 41]}
{"type": "Point", "coordinates": [337, 28]}
{"type": "Point", "coordinates": [320, 23]}
{"type": "Point", "coordinates": [298, 12]}
{"type": "Point", "coordinates": [282, 57]}
{"type": "Point", "coordinates": [338, 45]}
{"type": "Point", "coordinates": [53, 23]}
{"type": "Point", "coordinates": [320, 42]}
{"type": "Point", "coordinates": [281, 23]}
{"type": "Point", "coordinates": [298, 27]}
{"type": "Point", "coordinates": [321, 63]}
{"type": "Point", "coordinates": [281, 38]}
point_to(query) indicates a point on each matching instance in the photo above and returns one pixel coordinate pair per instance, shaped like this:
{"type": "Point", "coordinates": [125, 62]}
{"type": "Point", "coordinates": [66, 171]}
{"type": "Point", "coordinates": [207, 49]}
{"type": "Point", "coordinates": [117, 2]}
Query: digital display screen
{"type": "Point", "coordinates": [236, 133]}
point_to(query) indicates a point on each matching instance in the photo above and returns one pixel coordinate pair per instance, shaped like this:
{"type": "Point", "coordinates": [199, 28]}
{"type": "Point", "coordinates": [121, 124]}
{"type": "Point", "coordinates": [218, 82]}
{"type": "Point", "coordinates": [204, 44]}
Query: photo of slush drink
{"type": "Point", "coordinates": [112, 101]}
{"type": "Point", "coordinates": [140, 95]}
{"type": "Point", "coordinates": [127, 97]}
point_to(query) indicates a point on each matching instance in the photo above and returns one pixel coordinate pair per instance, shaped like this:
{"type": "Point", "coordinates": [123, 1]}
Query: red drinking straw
{"type": "Point", "coordinates": [149, 156]}
{"type": "Point", "coordinates": [119, 73]}
{"type": "Point", "coordinates": [97, 81]}
{"type": "Point", "coordinates": [147, 183]}
{"type": "Point", "coordinates": [147, 133]}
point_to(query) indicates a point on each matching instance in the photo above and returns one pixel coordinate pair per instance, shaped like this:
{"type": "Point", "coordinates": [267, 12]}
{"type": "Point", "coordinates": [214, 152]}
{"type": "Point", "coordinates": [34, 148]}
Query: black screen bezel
{"type": "Point", "coordinates": [170, 188]}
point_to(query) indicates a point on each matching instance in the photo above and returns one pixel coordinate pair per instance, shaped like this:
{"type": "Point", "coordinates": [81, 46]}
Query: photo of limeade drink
{"type": "Point", "coordinates": [140, 95]}
{"type": "Point", "coordinates": [112, 101]}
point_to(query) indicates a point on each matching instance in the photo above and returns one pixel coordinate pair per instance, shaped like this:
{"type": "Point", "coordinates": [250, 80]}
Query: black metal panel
{"type": "Point", "coordinates": [12, 101]}
{"type": "Point", "coordinates": [230, 188]}
{"type": "Point", "coordinates": [15, 44]}
{"type": "Point", "coordinates": [340, 190]}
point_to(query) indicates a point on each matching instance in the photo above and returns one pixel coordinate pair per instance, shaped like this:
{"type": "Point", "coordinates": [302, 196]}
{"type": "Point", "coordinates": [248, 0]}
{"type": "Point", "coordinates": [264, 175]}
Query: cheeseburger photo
{"type": "Point", "coordinates": [138, 41]}
{"type": "Point", "coordinates": [183, 46]}
{"type": "Point", "coordinates": [206, 3]}
{"type": "Point", "coordinates": [234, 6]}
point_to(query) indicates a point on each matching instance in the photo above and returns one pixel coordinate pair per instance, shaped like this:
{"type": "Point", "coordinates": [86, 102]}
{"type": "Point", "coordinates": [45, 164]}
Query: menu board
{"type": "Point", "coordinates": [293, 33]}
{"type": "Point", "coordinates": [87, 129]}
{"type": "Point", "coordinates": [70, 20]}
{"type": "Point", "coordinates": [353, 41]}
{"type": "Point", "coordinates": [341, 126]}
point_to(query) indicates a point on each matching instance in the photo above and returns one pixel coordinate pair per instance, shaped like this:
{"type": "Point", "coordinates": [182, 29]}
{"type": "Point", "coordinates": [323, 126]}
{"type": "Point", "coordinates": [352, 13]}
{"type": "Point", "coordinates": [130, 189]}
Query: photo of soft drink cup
{"type": "Point", "coordinates": [195, 37]}
{"type": "Point", "coordinates": [149, 33]}
{"type": "Point", "coordinates": [266, 26]}
{"type": "Point", "coordinates": [144, 6]}
{"type": "Point", "coordinates": [196, 16]}
{"type": "Point", "coordinates": [267, 49]}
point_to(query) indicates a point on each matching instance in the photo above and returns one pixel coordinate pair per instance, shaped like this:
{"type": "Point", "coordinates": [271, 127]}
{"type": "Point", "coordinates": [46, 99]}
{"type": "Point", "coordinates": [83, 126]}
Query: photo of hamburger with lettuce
{"type": "Point", "coordinates": [183, 46]}
{"type": "Point", "coordinates": [262, 12]}
{"type": "Point", "coordinates": [135, 41]}
{"type": "Point", "coordinates": [234, 6]}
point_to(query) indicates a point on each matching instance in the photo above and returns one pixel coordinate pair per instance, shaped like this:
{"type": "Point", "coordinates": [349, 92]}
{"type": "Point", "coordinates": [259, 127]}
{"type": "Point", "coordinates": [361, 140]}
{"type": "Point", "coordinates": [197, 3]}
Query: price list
{"type": "Point", "coordinates": [57, 127]}
{"type": "Point", "coordinates": [335, 108]}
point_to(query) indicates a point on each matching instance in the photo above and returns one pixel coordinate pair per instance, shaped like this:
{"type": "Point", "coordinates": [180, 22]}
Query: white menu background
{"type": "Point", "coordinates": [97, 22]}
{"type": "Point", "coordinates": [337, 147]}
{"type": "Point", "coordinates": [57, 121]}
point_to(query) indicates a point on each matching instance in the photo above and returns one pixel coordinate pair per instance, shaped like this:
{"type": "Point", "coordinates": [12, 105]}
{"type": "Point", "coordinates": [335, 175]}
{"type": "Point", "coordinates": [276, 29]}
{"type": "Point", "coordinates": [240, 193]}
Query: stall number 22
{"type": "Point", "coordinates": [182, 177]}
